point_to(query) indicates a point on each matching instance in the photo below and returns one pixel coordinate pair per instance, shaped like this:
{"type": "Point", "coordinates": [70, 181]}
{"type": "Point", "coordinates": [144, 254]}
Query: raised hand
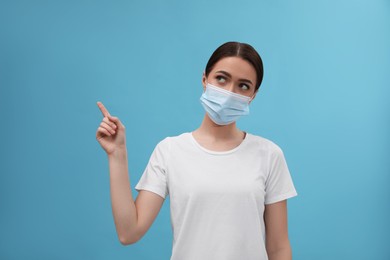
{"type": "Point", "coordinates": [111, 132]}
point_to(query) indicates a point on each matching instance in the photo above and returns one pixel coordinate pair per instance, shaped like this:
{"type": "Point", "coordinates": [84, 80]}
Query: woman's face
{"type": "Point", "coordinates": [233, 74]}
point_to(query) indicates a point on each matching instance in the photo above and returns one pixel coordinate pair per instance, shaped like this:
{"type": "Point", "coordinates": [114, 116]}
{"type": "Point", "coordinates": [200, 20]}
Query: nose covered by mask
{"type": "Point", "coordinates": [224, 107]}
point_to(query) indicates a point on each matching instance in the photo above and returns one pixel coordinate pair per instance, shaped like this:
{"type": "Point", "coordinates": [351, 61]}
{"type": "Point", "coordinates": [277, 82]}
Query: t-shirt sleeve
{"type": "Point", "coordinates": [279, 185]}
{"type": "Point", "coordinates": [154, 177]}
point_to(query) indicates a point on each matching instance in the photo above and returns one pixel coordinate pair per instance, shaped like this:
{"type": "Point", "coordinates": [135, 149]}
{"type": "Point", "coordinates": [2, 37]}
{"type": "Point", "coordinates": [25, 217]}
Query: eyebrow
{"type": "Point", "coordinates": [228, 75]}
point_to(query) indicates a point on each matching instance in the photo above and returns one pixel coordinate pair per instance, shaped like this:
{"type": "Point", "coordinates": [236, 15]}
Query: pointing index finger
{"type": "Point", "coordinates": [103, 109]}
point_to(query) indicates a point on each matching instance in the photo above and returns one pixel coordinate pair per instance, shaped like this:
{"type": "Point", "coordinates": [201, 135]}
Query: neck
{"type": "Point", "coordinates": [218, 132]}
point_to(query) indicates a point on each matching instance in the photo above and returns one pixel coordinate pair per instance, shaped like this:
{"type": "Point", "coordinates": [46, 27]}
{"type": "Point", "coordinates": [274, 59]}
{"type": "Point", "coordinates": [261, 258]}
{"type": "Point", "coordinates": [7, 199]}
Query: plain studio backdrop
{"type": "Point", "coordinates": [324, 100]}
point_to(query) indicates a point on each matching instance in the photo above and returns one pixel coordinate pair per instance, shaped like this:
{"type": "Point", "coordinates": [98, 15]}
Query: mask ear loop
{"type": "Point", "coordinates": [252, 97]}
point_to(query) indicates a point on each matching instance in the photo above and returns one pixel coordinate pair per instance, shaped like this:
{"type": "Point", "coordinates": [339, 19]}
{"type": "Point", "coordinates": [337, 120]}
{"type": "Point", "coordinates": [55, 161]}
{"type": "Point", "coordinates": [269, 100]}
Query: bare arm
{"type": "Point", "coordinates": [123, 206]}
{"type": "Point", "coordinates": [132, 219]}
{"type": "Point", "coordinates": [277, 242]}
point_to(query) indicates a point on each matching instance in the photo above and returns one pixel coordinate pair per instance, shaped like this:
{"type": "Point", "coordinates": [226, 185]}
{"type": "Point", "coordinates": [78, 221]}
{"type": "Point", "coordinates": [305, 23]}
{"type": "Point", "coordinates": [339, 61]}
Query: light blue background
{"type": "Point", "coordinates": [324, 100]}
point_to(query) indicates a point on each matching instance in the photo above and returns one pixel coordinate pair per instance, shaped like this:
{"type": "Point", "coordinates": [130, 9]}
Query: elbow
{"type": "Point", "coordinates": [126, 240]}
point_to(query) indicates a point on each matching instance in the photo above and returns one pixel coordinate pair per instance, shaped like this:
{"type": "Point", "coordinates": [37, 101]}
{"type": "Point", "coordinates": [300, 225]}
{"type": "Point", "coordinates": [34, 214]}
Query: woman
{"type": "Point", "coordinates": [227, 188]}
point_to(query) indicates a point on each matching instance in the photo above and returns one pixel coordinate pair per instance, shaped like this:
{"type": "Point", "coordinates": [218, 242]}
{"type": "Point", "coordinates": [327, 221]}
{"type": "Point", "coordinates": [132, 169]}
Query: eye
{"type": "Point", "coordinates": [221, 79]}
{"type": "Point", "coordinates": [244, 87]}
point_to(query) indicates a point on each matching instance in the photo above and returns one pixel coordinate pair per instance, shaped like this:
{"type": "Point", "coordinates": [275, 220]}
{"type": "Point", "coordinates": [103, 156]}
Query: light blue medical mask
{"type": "Point", "coordinates": [224, 107]}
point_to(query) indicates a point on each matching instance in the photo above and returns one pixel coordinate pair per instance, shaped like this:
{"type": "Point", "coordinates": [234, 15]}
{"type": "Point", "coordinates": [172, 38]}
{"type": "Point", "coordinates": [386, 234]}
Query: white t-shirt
{"type": "Point", "coordinates": [217, 199]}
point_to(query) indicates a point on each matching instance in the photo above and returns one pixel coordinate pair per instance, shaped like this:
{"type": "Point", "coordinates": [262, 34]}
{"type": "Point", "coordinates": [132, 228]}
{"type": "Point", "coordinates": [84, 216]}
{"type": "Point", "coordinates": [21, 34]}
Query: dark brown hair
{"type": "Point", "coordinates": [238, 49]}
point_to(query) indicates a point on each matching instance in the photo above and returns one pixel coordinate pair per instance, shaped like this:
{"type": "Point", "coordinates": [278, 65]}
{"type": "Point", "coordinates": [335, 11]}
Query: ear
{"type": "Point", "coordinates": [204, 81]}
{"type": "Point", "coordinates": [253, 97]}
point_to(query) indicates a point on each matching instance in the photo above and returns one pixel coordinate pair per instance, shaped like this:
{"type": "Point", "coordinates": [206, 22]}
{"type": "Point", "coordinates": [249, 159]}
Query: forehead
{"type": "Point", "coordinates": [237, 67]}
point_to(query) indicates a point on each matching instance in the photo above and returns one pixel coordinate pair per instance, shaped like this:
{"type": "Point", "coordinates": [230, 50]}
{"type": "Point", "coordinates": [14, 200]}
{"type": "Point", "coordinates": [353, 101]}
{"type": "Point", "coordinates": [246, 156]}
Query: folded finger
{"type": "Point", "coordinates": [115, 120]}
{"type": "Point", "coordinates": [108, 127]}
{"type": "Point", "coordinates": [106, 120]}
{"type": "Point", "coordinates": [103, 131]}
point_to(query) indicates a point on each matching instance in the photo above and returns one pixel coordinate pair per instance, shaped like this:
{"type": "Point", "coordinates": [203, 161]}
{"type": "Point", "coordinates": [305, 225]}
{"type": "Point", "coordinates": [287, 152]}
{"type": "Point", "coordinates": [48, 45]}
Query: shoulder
{"type": "Point", "coordinates": [169, 140]}
{"type": "Point", "coordinates": [264, 144]}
